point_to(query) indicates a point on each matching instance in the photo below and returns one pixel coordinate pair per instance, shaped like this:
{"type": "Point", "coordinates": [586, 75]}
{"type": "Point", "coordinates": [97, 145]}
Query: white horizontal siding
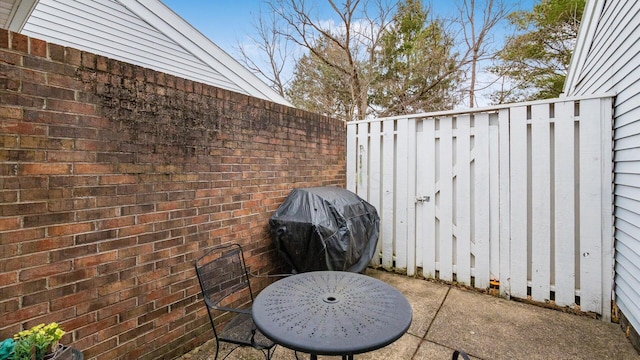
{"type": "Point", "coordinates": [629, 142]}
{"type": "Point", "coordinates": [612, 30]}
{"type": "Point", "coordinates": [632, 128]}
{"type": "Point", "coordinates": [627, 282]}
{"type": "Point", "coordinates": [632, 167]}
{"type": "Point", "coordinates": [108, 28]}
{"type": "Point", "coordinates": [611, 65]}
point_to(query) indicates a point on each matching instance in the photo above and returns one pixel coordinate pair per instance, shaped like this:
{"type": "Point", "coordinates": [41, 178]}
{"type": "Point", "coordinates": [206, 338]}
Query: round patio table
{"type": "Point", "coordinates": [331, 313]}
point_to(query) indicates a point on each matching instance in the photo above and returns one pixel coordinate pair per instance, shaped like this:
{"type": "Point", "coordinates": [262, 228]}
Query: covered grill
{"type": "Point", "coordinates": [325, 228]}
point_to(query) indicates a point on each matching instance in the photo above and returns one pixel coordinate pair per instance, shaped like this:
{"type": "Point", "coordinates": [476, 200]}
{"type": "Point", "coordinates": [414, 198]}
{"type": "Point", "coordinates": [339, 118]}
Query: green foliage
{"type": "Point", "coordinates": [408, 67]}
{"type": "Point", "coordinates": [537, 59]}
{"type": "Point", "coordinates": [41, 337]}
{"type": "Point", "coordinates": [416, 69]}
{"type": "Point", "coordinates": [319, 87]}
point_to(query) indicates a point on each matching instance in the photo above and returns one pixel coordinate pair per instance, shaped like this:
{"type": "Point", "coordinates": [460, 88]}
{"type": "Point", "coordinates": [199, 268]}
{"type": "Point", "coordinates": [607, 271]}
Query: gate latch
{"type": "Point", "coordinates": [422, 199]}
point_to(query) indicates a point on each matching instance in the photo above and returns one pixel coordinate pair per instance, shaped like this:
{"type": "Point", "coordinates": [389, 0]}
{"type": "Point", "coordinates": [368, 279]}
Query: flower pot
{"type": "Point", "coordinates": [64, 353]}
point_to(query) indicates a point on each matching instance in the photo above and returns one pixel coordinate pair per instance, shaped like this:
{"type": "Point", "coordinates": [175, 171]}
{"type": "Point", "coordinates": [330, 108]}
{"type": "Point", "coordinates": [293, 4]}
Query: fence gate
{"type": "Point", "coordinates": [519, 194]}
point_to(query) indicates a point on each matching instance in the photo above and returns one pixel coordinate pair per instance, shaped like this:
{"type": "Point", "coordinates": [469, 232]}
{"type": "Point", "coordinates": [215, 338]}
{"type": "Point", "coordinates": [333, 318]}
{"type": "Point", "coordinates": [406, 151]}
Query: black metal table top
{"type": "Point", "coordinates": [332, 313]}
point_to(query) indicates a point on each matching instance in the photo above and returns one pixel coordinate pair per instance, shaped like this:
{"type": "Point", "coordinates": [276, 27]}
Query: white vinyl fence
{"type": "Point", "coordinates": [519, 194]}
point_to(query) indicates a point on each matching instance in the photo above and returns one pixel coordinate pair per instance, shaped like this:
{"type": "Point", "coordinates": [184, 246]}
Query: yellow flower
{"type": "Point", "coordinates": [41, 336]}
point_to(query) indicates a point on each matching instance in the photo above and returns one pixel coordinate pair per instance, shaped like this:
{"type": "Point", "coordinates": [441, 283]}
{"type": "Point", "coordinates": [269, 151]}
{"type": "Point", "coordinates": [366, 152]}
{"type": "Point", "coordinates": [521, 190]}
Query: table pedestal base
{"type": "Point", "coordinates": [344, 357]}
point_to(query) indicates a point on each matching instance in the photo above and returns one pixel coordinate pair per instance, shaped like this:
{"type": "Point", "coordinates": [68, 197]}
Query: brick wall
{"type": "Point", "coordinates": [114, 178]}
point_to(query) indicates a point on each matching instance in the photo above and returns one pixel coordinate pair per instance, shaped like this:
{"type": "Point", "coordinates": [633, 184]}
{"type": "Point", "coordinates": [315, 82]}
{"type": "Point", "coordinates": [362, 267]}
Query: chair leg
{"type": "Point", "coordinates": [270, 352]}
{"type": "Point", "coordinates": [460, 353]}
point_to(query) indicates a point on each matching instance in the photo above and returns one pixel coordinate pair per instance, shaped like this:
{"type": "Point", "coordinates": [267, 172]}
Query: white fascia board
{"type": "Point", "coordinates": [20, 14]}
{"type": "Point", "coordinates": [588, 26]}
{"type": "Point", "coordinates": [171, 24]}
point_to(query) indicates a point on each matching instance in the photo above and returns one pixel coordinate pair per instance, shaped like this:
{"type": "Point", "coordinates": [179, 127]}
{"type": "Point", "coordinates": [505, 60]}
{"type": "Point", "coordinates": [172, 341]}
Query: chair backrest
{"type": "Point", "coordinates": [222, 273]}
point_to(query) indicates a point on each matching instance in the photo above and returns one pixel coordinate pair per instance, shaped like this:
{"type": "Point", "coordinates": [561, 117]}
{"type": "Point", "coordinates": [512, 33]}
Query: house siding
{"type": "Point", "coordinates": [611, 66]}
{"type": "Point", "coordinates": [111, 29]}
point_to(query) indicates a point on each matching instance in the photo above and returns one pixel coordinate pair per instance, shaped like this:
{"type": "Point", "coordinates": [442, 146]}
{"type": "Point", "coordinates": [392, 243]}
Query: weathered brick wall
{"type": "Point", "coordinates": [114, 178]}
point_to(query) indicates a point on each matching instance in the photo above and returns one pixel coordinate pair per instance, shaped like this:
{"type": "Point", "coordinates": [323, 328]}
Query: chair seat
{"type": "Point", "coordinates": [238, 331]}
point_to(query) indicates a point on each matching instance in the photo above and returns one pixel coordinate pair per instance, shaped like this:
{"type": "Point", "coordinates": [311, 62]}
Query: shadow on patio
{"type": "Point", "coordinates": [446, 318]}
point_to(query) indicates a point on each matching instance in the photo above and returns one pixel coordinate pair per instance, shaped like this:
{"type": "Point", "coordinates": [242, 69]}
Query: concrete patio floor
{"type": "Point", "coordinates": [446, 318]}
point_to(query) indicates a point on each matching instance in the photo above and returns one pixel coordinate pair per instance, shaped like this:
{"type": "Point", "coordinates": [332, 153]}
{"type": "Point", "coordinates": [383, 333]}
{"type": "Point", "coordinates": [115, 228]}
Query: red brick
{"type": "Point", "coordinates": [72, 276]}
{"type": "Point", "coordinates": [41, 142]}
{"type": "Point", "coordinates": [95, 259]}
{"type": "Point", "coordinates": [8, 278]}
{"type": "Point", "coordinates": [72, 300]}
{"type": "Point", "coordinates": [88, 60]}
{"type": "Point", "coordinates": [19, 42]}
{"type": "Point", "coordinates": [117, 179]}
{"type": "Point", "coordinates": [69, 229]}
{"type": "Point", "coordinates": [102, 63]}
{"type": "Point", "coordinates": [10, 223]}
{"type": "Point", "coordinates": [116, 286]}
{"type": "Point", "coordinates": [107, 191]}
{"type": "Point", "coordinates": [64, 81]}
{"type": "Point", "coordinates": [9, 306]}
{"type": "Point", "coordinates": [70, 156]}
{"type": "Point", "coordinates": [96, 214]}
{"type": "Point", "coordinates": [72, 56]}
{"type": "Point", "coordinates": [56, 52]}
{"type": "Point", "coordinates": [44, 271]}
{"type": "Point", "coordinates": [151, 257]}
{"type": "Point", "coordinates": [25, 313]}
{"type": "Point", "coordinates": [98, 327]}
{"type": "Point", "coordinates": [135, 230]}
{"type": "Point", "coordinates": [118, 222]}
{"type": "Point", "coordinates": [100, 348]}
{"type": "Point", "coordinates": [48, 219]}
{"type": "Point", "coordinates": [8, 250]}
{"type": "Point", "coordinates": [116, 244]}
{"type": "Point", "coordinates": [96, 282]}
{"type": "Point", "coordinates": [92, 169]}
{"type": "Point", "coordinates": [4, 38]}
{"type": "Point", "coordinates": [152, 218]}
{"type": "Point", "coordinates": [72, 252]}
{"type": "Point", "coordinates": [37, 47]}
{"type": "Point", "coordinates": [12, 237]}
{"type": "Point", "coordinates": [95, 236]}
{"type": "Point", "coordinates": [45, 244]}
{"type": "Point", "coordinates": [44, 169]}
{"type": "Point", "coordinates": [70, 107]}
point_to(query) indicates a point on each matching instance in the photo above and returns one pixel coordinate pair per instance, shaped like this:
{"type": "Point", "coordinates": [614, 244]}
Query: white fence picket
{"type": "Point", "coordinates": [504, 193]}
{"type": "Point", "coordinates": [411, 196]}
{"type": "Point", "coordinates": [540, 202]}
{"type": "Point", "coordinates": [445, 199]}
{"type": "Point", "coordinates": [590, 206]}
{"type": "Point", "coordinates": [482, 208]}
{"type": "Point", "coordinates": [352, 146]}
{"type": "Point", "coordinates": [427, 193]}
{"type": "Point", "coordinates": [519, 201]}
{"type": "Point", "coordinates": [564, 200]}
{"type": "Point", "coordinates": [375, 166]}
{"type": "Point", "coordinates": [462, 191]}
{"type": "Point", "coordinates": [388, 194]}
{"type": "Point", "coordinates": [363, 161]}
{"type": "Point", "coordinates": [401, 205]}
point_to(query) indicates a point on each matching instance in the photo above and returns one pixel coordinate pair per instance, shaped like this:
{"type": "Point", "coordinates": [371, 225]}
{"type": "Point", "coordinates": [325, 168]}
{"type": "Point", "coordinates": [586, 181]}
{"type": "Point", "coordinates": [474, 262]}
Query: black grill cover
{"type": "Point", "coordinates": [325, 228]}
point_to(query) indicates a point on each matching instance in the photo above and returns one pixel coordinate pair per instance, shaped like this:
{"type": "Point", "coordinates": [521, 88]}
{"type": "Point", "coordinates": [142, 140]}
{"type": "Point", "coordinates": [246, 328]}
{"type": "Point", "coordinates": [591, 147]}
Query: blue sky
{"type": "Point", "coordinates": [228, 22]}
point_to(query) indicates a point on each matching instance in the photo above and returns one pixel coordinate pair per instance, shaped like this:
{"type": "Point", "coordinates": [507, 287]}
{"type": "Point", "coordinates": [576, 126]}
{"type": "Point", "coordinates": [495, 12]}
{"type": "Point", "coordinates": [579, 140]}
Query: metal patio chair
{"type": "Point", "coordinates": [224, 281]}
